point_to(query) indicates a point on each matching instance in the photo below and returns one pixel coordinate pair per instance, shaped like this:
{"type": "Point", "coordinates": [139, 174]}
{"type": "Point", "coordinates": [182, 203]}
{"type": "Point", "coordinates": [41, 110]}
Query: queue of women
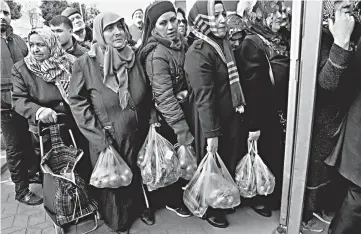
{"type": "Point", "coordinates": [201, 93]}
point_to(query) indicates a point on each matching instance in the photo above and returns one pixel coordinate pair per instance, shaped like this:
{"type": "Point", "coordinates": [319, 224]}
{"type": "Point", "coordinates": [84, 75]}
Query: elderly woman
{"type": "Point", "coordinates": [263, 62]}
{"type": "Point", "coordinates": [40, 87]}
{"type": "Point", "coordinates": [163, 54]}
{"type": "Point", "coordinates": [215, 93]}
{"type": "Point", "coordinates": [110, 100]}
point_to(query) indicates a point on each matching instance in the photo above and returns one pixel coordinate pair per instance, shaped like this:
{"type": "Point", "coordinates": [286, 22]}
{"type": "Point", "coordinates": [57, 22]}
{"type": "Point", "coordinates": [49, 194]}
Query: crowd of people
{"type": "Point", "coordinates": [208, 80]}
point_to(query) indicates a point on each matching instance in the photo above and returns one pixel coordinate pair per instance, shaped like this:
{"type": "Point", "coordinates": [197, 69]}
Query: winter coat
{"type": "Point", "coordinates": [13, 49]}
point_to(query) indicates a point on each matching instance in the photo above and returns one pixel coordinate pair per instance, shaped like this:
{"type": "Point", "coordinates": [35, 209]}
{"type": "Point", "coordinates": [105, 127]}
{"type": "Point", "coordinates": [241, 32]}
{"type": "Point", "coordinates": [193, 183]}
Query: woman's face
{"type": "Point", "coordinates": [344, 6]}
{"type": "Point", "coordinates": [275, 20]}
{"type": "Point", "coordinates": [182, 24]}
{"type": "Point", "coordinates": [38, 48]}
{"type": "Point", "coordinates": [221, 19]}
{"type": "Point", "coordinates": [167, 26]}
{"type": "Point", "coordinates": [114, 35]}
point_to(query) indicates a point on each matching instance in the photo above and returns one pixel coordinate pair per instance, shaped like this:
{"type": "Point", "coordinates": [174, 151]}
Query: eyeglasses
{"type": "Point", "coordinates": [182, 21]}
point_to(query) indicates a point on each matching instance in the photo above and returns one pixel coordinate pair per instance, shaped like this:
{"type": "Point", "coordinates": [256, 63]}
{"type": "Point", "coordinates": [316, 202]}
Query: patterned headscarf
{"type": "Point", "coordinates": [202, 24]}
{"type": "Point", "coordinates": [55, 69]}
{"type": "Point", "coordinates": [115, 62]}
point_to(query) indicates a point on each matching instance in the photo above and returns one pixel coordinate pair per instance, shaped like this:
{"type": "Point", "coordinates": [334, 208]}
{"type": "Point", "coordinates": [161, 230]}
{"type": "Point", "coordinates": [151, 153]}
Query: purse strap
{"type": "Point", "coordinates": [270, 72]}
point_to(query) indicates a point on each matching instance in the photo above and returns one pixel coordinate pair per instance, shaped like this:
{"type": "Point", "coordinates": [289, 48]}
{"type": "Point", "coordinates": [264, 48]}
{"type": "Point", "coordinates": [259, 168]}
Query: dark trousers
{"type": "Point", "coordinates": [19, 152]}
{"type": "Point", "coordinates": [348, 219]}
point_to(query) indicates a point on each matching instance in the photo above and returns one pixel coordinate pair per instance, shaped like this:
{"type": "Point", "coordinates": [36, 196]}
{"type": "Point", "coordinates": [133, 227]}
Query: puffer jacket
{"type": "Point", "coordinates": [13, 49]}
{"type": "Point", "coordinates": [164, 68]}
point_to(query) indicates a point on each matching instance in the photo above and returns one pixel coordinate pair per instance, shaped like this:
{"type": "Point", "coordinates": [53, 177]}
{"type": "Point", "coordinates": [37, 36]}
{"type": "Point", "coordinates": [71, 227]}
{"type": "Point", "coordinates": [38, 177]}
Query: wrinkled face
{"type": "Point", "coordinates": [63, 33]}
{"type": "Point", "coordinates": [38, 48]}
{"type": "Point", "coordinates": [167, 25]}
{"type": "Point", "coordinates": [221, 19]}
{"type": "Point", "coordinates": [5, 16]}
{"type": "Point", "coordinates": [275, 20]}
{"type": "Point", "coordinates": [182, 24]}
{"type": "Point", "coordinates": [345, 6]}
{"type": "Point", "coordinates": [78, 22]}
{"type": "Point", "coordinates": [114, 35]}
{"type": "Point", "coordinates": [235, 40]}
{"type": "Point", "coordinates": [138, 18]}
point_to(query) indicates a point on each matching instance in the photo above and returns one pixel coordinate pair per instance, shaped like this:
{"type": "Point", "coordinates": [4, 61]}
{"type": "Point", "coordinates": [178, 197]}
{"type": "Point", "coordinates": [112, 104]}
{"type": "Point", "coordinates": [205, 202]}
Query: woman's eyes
{"type": "Point", "coordinates": [173, 19]}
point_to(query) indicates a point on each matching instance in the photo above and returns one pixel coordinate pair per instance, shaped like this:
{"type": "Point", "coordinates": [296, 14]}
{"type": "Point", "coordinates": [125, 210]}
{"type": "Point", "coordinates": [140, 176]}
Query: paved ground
{"type": "Point", "coordinates": [17, 218]}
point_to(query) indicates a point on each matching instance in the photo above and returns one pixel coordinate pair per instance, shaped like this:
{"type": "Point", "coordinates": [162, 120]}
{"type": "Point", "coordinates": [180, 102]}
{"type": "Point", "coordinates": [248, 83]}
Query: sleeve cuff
{"type": "Point", "coordinates": [339, 57]}
{"type": "Point", "coordinates": [214, 133]}
{"type": "Point", "coordinates": [38, 112]}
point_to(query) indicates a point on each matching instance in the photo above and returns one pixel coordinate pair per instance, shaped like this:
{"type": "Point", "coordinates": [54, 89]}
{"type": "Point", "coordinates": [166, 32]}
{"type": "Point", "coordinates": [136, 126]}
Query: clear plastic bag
{"type": "Point", "coordinates": [245, 175]}
{"type": "Point", "coordinates": [158, 161]}
{"type": "Point", "coordinates": [111, 171]}
{"type": "Point", "coordinates": [187, 161]}
{"type": "Point", "coordinates": [265, 180]}
{"type": "Point", "coordinates": [211, 185]}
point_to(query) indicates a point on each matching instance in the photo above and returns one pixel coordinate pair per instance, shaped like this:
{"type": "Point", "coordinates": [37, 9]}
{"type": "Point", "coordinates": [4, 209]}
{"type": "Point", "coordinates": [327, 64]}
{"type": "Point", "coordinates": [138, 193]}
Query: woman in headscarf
{"type": "Point", "coordinates": [263, 63]}
{"type": "Point", "coordinates": [215, 93]}
{"type": "Point", "coordinates": [162, 55]}
{"type": "Point", "coordinates": [110, 99]}
{"type": "Point", "coordinates": [182, 22]}
{"type": "Point", "coordinates": [40, 88]}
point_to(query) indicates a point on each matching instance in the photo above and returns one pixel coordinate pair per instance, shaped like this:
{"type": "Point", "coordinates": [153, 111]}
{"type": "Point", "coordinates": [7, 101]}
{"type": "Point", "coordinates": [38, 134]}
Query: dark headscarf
{"type": "Point", "coordinates": [115, 62]}
{"type": "Point", "coordinates": [202, 23]}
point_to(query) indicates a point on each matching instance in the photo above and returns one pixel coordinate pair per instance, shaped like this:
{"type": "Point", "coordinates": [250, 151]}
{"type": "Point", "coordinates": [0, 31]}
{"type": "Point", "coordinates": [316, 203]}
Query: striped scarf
{"type": "Point", "coordinates": [203, 24]}
{"type": "Point", "coordinates": [55, 69]}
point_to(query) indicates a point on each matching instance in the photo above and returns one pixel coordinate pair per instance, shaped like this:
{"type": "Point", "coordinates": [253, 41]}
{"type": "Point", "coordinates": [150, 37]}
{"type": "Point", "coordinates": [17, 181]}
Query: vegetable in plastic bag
{"type": "Point", "coordinates": [111, 171]}
{"type": "Point", "coordinates": [158, 162]}
{"type": "Point", "coordinates": [187, 161]}
{"type": "Point", "coordinates": [265, 180]}
{"type": "Point", "coordinates": [211, 185]}
{"type": "Point", "coordinates": [245, 175]}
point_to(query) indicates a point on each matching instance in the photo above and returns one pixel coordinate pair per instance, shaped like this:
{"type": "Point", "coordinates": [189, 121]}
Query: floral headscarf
{"type": "Point", "coordinates": [55, 69]}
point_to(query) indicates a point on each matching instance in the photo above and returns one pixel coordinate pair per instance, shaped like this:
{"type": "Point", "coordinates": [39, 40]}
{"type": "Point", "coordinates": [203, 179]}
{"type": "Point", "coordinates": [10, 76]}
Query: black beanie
{"type": "Point", "coordinates": [137, 11]}
{"type": "Point", "coordinates": [158, 9]}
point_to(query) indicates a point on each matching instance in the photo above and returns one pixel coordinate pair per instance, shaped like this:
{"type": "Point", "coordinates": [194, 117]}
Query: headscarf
{"type": "Point", "coordinates": [55, 69]}
{"type": "Point", "coordinates": [115, 62]}
{"type": "Point", "coordinates": [202, 24]}
{"type": "Point", "coordinates": [254, 13]}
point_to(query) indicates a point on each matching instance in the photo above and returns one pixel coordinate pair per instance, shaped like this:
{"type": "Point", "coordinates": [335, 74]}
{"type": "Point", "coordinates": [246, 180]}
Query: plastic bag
{"type": "Point", "coordinates": [211, 185]}
{"type": "Point", "coordinates": [265, 180]}
{"type": "Point", "coordinates": [111, 171]}
{"type": "Point", "coordinates": [245, 175]}
{"type": "Point", "coordinates": [158, 161]}
{"type": "Point", "coordinates": [187, 161]}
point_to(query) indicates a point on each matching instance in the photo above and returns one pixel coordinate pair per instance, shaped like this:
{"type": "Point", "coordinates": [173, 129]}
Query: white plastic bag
{"type": "Point", "coordinates": [265, 180]}
{"type": "Point", "coordinates": [211, 185]}
{"type": "Point", "coordinates": [187, 161]}
{"type": "Point", "coordinates": [158, 161]}
{"type": "Point", "coordinates": [111, 171]}
{"type": "Point", "coordinates": [245, 174]}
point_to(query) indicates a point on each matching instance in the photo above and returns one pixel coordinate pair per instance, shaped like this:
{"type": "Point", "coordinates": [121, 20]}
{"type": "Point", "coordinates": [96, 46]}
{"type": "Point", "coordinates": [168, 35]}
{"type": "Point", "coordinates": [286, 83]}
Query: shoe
{"type": "Point", "coordinates": [323, 217]}
{"type": "Point", "coordinates": [30, 199]}
{"type": "Point", "coordinates": [35, 180]}
{"type": "Point", "coordinates": [313, 225]}
{"type": "Point", "coordinates": [125, 231]}
{"type": "Point", "coordinates": [180, 211]}
{"type": "Point", "coordinates": [264, 211]}
{"type": "Point", "coordinates": [148, 217]}
{"type": "Point", "coordinates": [217, 220]}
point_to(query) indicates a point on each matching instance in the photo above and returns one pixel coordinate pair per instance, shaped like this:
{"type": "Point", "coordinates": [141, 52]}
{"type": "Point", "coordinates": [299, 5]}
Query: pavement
{"type": "Point", "coordinates": [18, 218]}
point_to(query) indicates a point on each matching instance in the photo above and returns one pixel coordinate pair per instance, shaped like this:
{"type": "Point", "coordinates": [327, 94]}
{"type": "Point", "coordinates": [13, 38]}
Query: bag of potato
{"type": "Point", "coordinates": [158, 161]}
{"type": "Point", "coordinates": [245, 175]}
{"type": "Point", "coordinates": [111, 171]}
{"type": "Point", "coordinates": [211, 185]}
{"type": "Point", "coordinates": [265, 180]}
{"type": "Point", "coordinates": [187, 161]}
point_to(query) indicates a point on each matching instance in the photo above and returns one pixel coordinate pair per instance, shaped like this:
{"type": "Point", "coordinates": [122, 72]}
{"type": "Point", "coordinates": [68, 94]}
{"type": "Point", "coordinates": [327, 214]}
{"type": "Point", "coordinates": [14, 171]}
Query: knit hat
{"type": "Point", "coordinates": [70, 11]}
{"type": "Point", "coordinates": [158, 9]}
{"type": "Point", "coordinates": [136, 11]}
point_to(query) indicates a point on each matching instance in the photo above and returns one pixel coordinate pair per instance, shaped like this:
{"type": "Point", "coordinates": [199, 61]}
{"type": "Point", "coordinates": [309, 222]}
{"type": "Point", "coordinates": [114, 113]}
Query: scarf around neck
{"type": "Point", "coordinates": [202, 24]}
{"type": "Point", "coordinates": [115, 63]}
{"type": "Point", "coordinates": [55, 69]}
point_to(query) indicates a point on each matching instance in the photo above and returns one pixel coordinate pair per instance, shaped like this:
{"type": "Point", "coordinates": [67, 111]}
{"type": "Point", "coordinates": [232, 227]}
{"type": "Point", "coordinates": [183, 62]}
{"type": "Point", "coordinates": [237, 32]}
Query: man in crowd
{"type": "Point", "coordinates": [19, 151]}
{"type": "Point", "coordinates": [81, 32]}
{"type": "Point", "coordinates": [136, 28]}
{"type": "Point", "coordinates": [63, 28]}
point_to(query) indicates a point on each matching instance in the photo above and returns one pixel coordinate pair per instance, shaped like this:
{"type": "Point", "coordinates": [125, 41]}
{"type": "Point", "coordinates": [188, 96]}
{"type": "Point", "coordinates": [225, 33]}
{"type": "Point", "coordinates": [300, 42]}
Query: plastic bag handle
{"type": "Point", "coordinates": [255, 148]}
